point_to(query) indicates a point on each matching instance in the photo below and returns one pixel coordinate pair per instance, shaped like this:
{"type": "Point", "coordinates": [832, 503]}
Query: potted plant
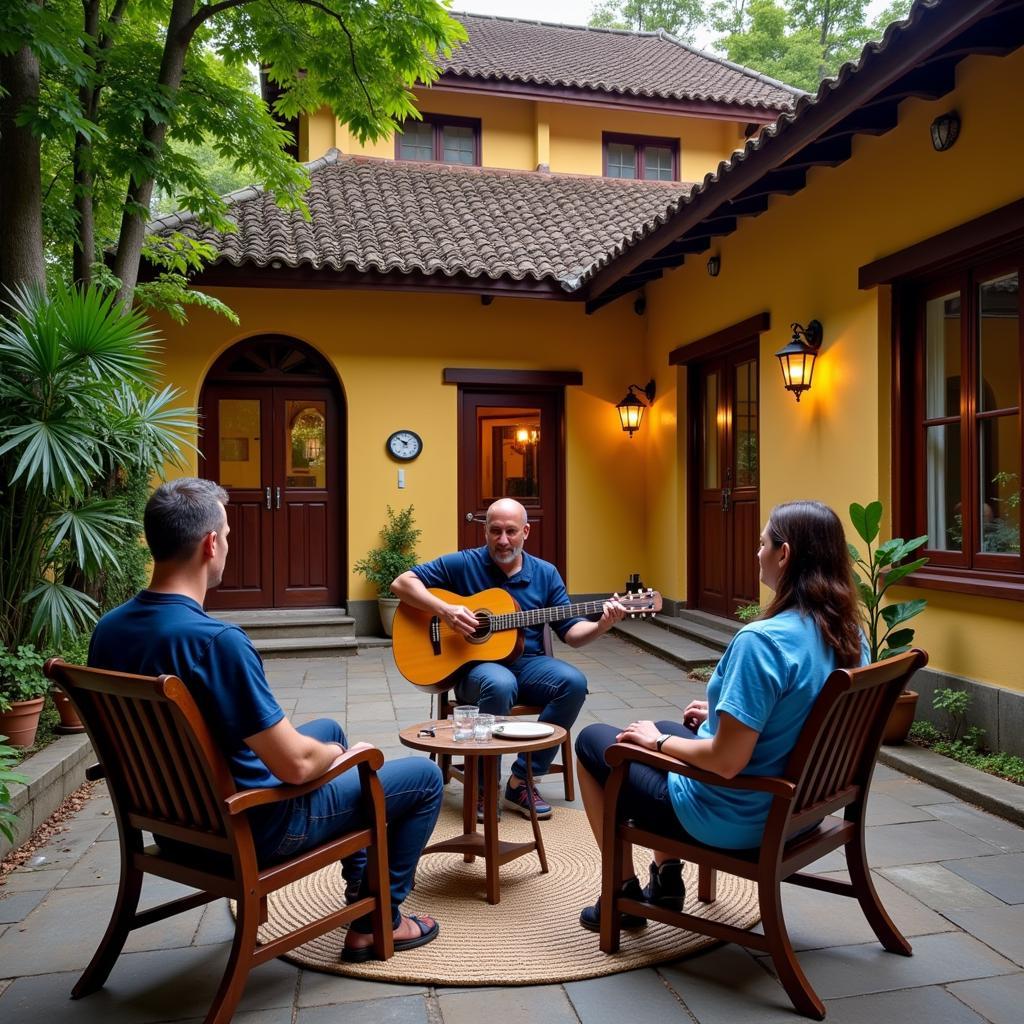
{"type": "Point", "coordinates": [22, 689]}
{"type": "Point", "coordinates": [8, 819]}
{"type": "Point", "coordinates": [74, 652]}
{"type": "Point", "coordinates": [886, 628]}
{"type": "Point", "coordinates": [396, 554]}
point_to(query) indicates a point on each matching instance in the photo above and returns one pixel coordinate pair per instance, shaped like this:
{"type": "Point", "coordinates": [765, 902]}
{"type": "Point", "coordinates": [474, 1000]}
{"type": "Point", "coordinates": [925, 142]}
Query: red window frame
{"type": "Point", "coordinates": [439, 122]}
{"type": "Point", "coordinates": [639, 143]}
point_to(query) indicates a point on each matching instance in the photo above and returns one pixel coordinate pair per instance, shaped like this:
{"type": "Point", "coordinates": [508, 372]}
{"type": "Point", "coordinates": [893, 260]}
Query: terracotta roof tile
{"type": "Point", "coordinates": [378, 215]}
{"type": "Point", "coordinates": [652, 64]}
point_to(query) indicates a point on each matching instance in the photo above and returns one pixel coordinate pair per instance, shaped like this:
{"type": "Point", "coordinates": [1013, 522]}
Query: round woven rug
{"type": "Point", "coordinates": [537, 912]}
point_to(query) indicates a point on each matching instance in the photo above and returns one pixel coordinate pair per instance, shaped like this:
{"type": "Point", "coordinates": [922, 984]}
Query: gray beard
{"type": "Point", "coordinates": [509, 558]}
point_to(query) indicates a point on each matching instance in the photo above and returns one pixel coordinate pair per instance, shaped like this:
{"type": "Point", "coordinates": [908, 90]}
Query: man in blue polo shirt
{"type": "Point", "coordinates": [533, 678]}
{"type": "Point", "coordinates": [164, 629]}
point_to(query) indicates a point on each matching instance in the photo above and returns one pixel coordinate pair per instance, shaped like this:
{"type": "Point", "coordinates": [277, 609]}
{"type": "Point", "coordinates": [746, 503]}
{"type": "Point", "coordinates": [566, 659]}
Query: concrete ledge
{"type": "Point", "coordinates": [53, 775]}
{"type": "Point", "coordinates": [988, 792]}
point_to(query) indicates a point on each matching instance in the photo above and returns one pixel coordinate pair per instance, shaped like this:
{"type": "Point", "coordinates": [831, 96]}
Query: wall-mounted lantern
{"type": "Point", "coordinates": [797, 358]}
{"type": "Point", "coordinates": [526, 438]}
{"type": "Point", "coordinates": [945, 130]}
{"type": "Point", "coordinates": [714, 266]}
{"type": "Point", "coordinates": [631, 408]}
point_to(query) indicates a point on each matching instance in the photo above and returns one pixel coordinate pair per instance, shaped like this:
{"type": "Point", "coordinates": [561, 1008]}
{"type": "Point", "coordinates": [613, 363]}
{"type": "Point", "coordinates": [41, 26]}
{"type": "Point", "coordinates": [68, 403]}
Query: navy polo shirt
{"type": "Point", "coordinates": [536, 585]}
{"type": "Point", "coordinates": [153, 634]}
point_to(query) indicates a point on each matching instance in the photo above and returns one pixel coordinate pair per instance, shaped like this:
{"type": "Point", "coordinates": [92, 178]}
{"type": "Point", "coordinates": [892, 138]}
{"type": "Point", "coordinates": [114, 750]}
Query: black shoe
{"type": "Point", "coordinates": [590, 917]}
{"type": "Point", "coordinates": [480, 809]}
{"type": "Point", "coordinates": [666, 887]}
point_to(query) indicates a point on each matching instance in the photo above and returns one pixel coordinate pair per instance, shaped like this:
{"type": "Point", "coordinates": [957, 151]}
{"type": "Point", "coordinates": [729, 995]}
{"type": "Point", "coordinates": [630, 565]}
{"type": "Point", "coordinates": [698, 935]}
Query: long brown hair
{"type": "Point", "coordinates": [818, 578]}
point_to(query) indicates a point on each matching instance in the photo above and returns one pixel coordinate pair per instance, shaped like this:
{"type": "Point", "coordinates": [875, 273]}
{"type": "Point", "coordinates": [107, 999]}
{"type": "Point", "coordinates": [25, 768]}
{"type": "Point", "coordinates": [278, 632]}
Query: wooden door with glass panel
{"type": "Point", "coordinates": [725, 399]}
{"type": "Point", "coordinates": [511, 447]}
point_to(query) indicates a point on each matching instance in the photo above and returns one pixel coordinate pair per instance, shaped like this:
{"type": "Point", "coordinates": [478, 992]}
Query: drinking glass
{"type": "Point", "coordinates": [464, 717]}
{"type": "Point", "coordinates": [483, 726]}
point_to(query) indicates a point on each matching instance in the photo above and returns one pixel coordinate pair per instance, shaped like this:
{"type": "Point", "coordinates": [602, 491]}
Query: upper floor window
{"type": "Point", "coordinates": [640, 156]}
{"type": "Point", "coordinates": [959, 402]}
{"type": "Point", "coordinates": [450, 140]}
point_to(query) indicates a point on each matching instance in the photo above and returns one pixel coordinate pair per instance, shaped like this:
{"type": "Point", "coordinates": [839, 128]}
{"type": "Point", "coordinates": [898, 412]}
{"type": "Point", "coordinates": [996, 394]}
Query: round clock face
{"type": "Point", "coordinates": [404, 445]}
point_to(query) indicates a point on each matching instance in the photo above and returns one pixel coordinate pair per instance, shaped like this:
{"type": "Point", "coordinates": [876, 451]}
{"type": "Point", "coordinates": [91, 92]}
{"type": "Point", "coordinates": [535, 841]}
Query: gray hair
{"type": "Point", "coordinates": [180, 513]}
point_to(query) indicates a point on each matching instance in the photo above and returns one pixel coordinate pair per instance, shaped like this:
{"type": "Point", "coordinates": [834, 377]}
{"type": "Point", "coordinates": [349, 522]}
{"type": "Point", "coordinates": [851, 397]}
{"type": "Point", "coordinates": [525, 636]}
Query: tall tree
{"type": "Point", "coordinates": [118, 79]}
{"type": "Point", "coordinates": [681, 18]}
{"type": "Point", "coordinates": [766, 44]}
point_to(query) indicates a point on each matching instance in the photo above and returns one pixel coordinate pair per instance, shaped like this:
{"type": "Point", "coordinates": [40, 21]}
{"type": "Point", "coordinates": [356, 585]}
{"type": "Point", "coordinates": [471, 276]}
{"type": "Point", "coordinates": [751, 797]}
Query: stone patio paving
{"type": "Point", "coordinates": [951, 876]}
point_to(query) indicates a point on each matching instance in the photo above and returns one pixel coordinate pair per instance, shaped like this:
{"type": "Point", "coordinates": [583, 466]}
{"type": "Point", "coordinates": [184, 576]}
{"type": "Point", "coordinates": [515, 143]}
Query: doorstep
{"type": "Point", "coordinates": [53, 775]}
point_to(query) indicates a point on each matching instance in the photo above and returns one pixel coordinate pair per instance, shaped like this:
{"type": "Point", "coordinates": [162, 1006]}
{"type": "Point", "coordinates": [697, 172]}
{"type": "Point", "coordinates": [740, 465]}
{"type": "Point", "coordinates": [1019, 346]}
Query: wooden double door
{"type": "Point", "coordinates": [724, 404]}
{"type": "Point", "coordinates": [276, 450]}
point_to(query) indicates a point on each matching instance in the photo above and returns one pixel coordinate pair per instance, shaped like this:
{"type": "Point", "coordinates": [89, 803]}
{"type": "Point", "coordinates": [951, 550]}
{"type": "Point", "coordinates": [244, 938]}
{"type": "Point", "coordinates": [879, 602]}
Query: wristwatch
{"type": "Point", "coordinates": [660, 741]}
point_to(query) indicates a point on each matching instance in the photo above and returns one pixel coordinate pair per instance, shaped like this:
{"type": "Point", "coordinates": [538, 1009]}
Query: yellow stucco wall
{"type": "Point", "coordinates": [520, 134]}
{"type": "Point", "coordinates": [799, 261]}
{"type": "Point", "coordinates": [389, 350]}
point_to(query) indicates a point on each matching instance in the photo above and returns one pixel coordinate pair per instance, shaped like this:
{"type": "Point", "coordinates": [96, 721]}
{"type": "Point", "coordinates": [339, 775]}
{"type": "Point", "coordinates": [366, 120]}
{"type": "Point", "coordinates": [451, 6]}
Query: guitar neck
{"type": "Point", "coordinates": [538, 616]}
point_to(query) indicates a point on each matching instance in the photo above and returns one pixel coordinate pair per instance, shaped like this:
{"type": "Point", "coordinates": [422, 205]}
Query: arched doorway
{"type": "Point", "coordinates": [272, 417]}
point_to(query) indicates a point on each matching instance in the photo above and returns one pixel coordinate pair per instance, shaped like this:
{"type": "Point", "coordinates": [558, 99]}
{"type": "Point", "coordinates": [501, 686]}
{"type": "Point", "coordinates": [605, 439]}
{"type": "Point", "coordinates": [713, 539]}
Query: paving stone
{"type": "Point", "coordinates": [912, 1006]}
{"type": "Point", "coordinates": [529, 1004]}
{"type": "Point", "coordinates": [216, 925]}
{"type": "Point", "coordinates": [637, 996]}
{"type": "Point", "coordinates": [998, 1000]}
{"type": "Point", "coordinates": [1001, 928]}
{"type": "Point", "coordinates": [1003, 876]}
{"type": "Point", "coordinates": [921, 841]}
{"type": "Point", "coordinates": [938, 960]}
{"type": "Point", "coordinates": [281, 1015]}
{"type": "Point", "coordinates": [887, 810]}
{"type": "Point", "coordinates": [26, 878]}
{"type": "Point", "coordinates": [17, 905]}
{"type": "Point", "coordinates": [407, 1010]}
{"type": "Point", "coordinates": [319, 989]}
{"type": "Point", "coordinates": [911, 791]}
{"type": "Point", "coordinates": [939, 888]}
{"type": "Point", "coordinates": [1002, 834]}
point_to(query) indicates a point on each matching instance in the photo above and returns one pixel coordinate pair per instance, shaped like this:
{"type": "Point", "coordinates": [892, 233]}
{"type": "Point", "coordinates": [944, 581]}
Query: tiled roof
{"type": "Point", "coordinates": [388, 216]}
{"type": "Point", "coordinates": [644, 64]}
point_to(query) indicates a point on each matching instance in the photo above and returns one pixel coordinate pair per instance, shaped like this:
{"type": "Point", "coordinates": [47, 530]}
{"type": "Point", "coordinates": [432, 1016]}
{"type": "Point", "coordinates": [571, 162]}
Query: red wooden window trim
{"type": "Point", "coordinates": [639, 142]}
{"type": "Point", "coordinates": [439, 122]}
{"type": "Point", "coordinates": [970, 570]}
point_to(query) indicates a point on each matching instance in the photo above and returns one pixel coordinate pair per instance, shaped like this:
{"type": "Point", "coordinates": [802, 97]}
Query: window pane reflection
{"type": "Point", "coordinates": [945, 511]}
{"type": "Point", "coordinates": [239, 442]}
{"type": "Point", "coordinates": [942, 356]}
{"type": "Point", "coordinates": [509, 443]}
{"type": "Point", "coordinates": [306, 444]}
{"type": "Point", "coordinates": [998, 343]}
{"type": "Point", "coordinates": [711, 473]}
{"type": "Point", "coordinates": [1000, 484]}
{"type": "Point", "coordinates": [745, 425]}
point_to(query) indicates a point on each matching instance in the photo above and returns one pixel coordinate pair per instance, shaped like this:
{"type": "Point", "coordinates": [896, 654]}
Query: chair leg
{"type": "Point", "coordinates": [707, 884]}
{"type": "Point", "coordinates": [236, 971]}
{"type": "Point", "coordinates": [95, 975]}
{"type": "Point", "coordinates": [790, 973]}
{"type": "Point", "coordinates": [568, 768]}
{"type": "Point", "coordinates": [860, 876]}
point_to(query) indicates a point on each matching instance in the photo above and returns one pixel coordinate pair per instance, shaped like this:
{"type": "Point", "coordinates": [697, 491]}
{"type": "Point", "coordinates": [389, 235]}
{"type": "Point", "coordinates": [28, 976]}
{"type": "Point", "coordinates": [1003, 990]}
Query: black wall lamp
{"type": "Point", "coordinates": [714, 266]}
{"type": "Point", "coordinates": [631, 408]}
{"type": "Point", "coordinates": [945, 130]}
{"type": "Point", "coordinates": [797, 358]}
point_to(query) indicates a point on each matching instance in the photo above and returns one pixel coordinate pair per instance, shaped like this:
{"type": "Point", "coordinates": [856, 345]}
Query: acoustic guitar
{"type": "Point", "coordinates": [428, 651]}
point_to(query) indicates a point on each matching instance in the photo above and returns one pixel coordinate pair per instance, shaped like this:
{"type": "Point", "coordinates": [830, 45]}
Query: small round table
{"type": "Point", "coordinates": [485, 755]}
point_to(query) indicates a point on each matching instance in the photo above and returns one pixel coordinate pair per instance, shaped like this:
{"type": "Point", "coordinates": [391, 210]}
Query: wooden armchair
{"type": "Point", "coordinates": [829, 770]}
{"type": "Point", "coordinates": [166, 775]}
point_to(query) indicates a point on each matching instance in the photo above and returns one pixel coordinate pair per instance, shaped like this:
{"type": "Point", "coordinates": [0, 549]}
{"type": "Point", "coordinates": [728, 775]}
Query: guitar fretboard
{"type": "Point", "coordinates": [537, 616]}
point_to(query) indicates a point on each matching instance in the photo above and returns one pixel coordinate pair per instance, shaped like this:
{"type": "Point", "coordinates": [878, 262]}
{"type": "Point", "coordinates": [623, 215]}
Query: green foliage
{"type": "Point", "coordinates": [748, 612]}
{"type": "Point", "coordinates": [8, 759]}
{"type": "Point", "coordinates": [397, 553]}
{"type": "Point", "coordinates": [680, 18]}
{"type": "Point", "coordinates": [1008, 766]}
{"type": "Point", "coordinates": [771, 47]}
{"type": "Point", "coordinates": [702, 673]}
{"type": "Point", "coordinates": [924, 733]}
{"type": "Point", "coordinates": [955, 704]}
{"type": "Point", "coordinates": [882, 568]}
{"type": "Point", "coordinates": [21, 675]}
{"type": "Point", "coordinates": [79, 405]}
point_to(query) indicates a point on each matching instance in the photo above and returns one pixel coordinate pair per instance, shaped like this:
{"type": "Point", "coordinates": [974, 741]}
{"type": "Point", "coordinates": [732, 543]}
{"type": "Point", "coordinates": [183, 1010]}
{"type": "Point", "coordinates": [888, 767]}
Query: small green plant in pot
{"type": "Point", "coordinates": [8, 819]}
{"type": "Point", "coordinates": [22, 688]}
{"type": "Point", "coordinates": [885, 624]}
{"type": "Point", "coordinates": [396, 554]}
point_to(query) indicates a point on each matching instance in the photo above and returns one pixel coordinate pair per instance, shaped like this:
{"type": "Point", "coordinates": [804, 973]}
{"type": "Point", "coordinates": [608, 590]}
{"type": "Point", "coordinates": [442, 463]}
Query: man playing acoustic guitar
{"type": "Point", "coordinates": [533, 678]}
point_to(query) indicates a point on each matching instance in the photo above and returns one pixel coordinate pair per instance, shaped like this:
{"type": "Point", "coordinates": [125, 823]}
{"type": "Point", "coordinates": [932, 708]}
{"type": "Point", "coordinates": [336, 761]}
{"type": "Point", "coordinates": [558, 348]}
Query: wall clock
{"type": "Point", "coordinates": [404, 445]}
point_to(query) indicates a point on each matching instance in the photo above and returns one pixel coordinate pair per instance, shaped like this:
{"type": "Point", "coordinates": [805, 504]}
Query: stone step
{"type": "Point", "coordinates": [282, 623]}
{"type": "Point", "coordinates": [272, 648]}
{"type": "Point", "coordinates": [673, 647]}
{"type": "Point", "coordinates": [700, 627]}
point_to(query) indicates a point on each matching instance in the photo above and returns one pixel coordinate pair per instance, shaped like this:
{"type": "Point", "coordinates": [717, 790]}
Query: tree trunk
{"type": "Point", "coordinates": [21, 198]}
{"type": "Point", "coordinates": [85, 239]}
{"type": "Point", "coordinates": [133, 223]}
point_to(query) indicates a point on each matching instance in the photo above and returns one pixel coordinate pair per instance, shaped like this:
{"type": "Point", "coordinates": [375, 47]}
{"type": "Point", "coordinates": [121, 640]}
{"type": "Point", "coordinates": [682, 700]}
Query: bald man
{"type": "Point", "coordinates": [533, 678]}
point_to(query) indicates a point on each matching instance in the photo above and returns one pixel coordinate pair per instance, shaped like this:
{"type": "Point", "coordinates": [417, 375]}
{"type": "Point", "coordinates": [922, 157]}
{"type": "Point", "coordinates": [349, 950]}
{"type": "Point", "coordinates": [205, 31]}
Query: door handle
{"type": "Point", "coordinates": [472, 518]}
{"type": "Point", "coordinates": [266, 497]}
{"type": "Point", "coordinates": [277, 497]}
{"type": "Point", "coordinates": [726, 492]}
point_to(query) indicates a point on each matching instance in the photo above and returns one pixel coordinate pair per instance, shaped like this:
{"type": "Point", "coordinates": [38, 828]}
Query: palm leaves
{"type": "Point", "coordinates": [879, 571]}
{"type": "Point", "coordinates": [79, 404]}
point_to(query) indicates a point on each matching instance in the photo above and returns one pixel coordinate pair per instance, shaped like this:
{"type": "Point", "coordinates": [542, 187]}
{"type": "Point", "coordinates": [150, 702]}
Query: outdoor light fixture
{"type": "Point", "coordinates": [945, 129]}
{"type": "Point", "coordinates": [631, 408]}
{"type": "Point", "coordinates": [714, 265]}
{"type": "Point", "coordinates": [797, 358]}
{"type": "Point", "coordinates": [525, 437]}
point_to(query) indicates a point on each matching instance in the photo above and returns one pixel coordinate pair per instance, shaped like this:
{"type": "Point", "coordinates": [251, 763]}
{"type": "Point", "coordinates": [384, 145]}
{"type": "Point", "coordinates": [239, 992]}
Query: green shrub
{"type": "Point", "coordinates": [748, 612]}
{"type": "Point", "coordinates": [8, 759]}
{"type": "Point", "coordinates": [924, 733]}
{"type": "Point", "coordinates": [702, 673]}
{"type": "Point", "coordinates": [955, 703]}
{"type": "Point", "coordinates": [1009, 766]}
{"type": "Point", "coordinates": [397, 553]}
{"type": "Point", "coordinates": [21, 675]}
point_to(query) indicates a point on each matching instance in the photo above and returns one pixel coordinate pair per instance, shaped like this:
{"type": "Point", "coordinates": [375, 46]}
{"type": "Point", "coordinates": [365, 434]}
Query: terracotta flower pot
{"type": "Point", "coordinates": [69, 720]}
{"type": "Point", "coordinates": [20, 723]}
{"type": "Point", "coordinates": [901, 718]}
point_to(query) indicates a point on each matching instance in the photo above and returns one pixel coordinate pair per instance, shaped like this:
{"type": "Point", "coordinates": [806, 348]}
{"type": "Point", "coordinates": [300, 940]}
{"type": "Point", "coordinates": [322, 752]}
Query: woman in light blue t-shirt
{"type": "Point", "coordinates": [757, 701]}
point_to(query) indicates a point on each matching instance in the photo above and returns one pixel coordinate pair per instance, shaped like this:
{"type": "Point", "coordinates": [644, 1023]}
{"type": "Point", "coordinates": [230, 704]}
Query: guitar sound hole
{"type": "Point", "coordinates": [483, 630]}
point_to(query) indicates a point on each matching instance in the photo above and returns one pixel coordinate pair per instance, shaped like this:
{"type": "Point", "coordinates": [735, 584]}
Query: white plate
{"type": "Point", "coordinates": [522, 730]}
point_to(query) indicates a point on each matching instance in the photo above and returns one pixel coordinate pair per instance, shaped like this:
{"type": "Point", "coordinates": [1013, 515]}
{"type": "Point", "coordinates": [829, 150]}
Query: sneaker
{"type": "Point", "coordinates": [480, 809]}
{"type": "Point", "coordinates": [519, 800]}
{"type": "Point", "coordinates": [666, 887]}
{"type": "Point", "coordinates": [590, 917]}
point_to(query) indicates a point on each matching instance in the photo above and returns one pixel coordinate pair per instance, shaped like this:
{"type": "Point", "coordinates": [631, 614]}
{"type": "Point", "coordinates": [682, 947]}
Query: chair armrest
{"type": "Point", "coordinates": [248, 798]}
{"type": "Point", "coordinates": [619, 753]}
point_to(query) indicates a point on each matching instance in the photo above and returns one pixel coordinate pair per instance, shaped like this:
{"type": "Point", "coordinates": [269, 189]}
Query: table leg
{"type": "Point", "coordinates": [490, 771]}
{"type": "Point", "coordinates": [538, 838]}
{"type": "Point", "coordinates": [469, 790]}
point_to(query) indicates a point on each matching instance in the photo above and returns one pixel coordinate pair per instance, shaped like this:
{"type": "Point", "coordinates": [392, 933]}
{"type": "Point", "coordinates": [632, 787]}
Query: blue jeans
{"type": "Point", "coordinates": [559, 689]}
{"type": "Point", "coordinates": [412, 794]}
